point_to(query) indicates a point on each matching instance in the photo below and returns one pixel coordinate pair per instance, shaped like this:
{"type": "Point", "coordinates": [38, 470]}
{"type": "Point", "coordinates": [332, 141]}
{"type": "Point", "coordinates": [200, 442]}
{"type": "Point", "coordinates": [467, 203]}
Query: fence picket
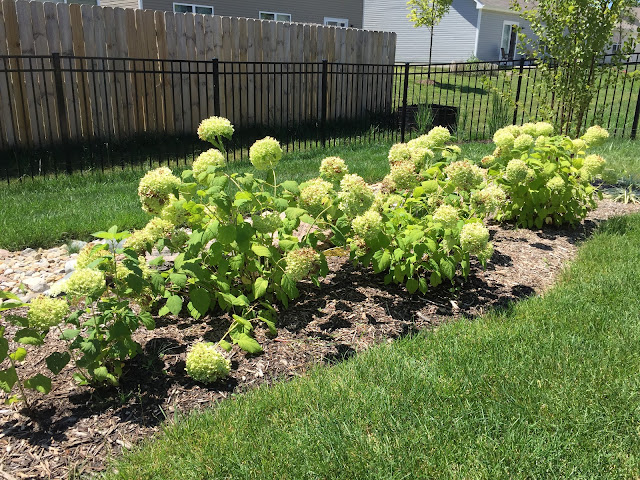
{"type": "Point", "coordinates": [7, 130]}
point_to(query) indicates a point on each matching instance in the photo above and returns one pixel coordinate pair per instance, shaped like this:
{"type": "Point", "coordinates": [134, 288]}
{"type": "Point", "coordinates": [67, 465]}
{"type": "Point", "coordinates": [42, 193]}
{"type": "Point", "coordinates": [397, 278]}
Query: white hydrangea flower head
{"type": "Point", "coordinates": [205, 364]}
{"type": "Point", "coordinates": [544, 129]}
{"type": "Point", "coordinates": [355, 196]}
{"type": "Point", "coordinates": [464, 175]}
{"type": "Point", "coordinates": [208, 158]}
{"type": "Point", "coordinates": [211, 129]}
{"type": "Point", "coordinates": [45, 312]}
{"type": "Point", "coordinates": [486, 253]}
{"type": "Point", "coordinates": [399, 153]}
{"type": "Point", "coordinates": [266, 222]}
{"type": "Point", "coordinates": [556, 184]}
{"type": "Point", "coordinates": [388, 185]}
{"type": "Point", "coordinates": [474, 237]}
{"type": "Point", "coordinates": [595, 136]}
{"type": "Point", "coordinates": [265, 154]}
{"type": "Point", "coordinates": [85, 282]}
{"type": "Point", "coordinates": [158, 228]}
{"type": "Point", "coordinates": [438, 136]}
{"type": "Point", "coordinates": [541, 141]}
{"type": "Point", "coordinates": [144, 239]}
{"type": "Point", "coordinates": [488, 160]}
{"type": "Point", "coordinates": [523, 142]}
{"type": "Point", "coordinates": [301, 262]}
{"type": "Point", "coordinates": [404, 176]}
{"type": "Point", "coordinates": [316, 195]}
{"type": "Point", "coordinates": [489, 199]}
{"type": "Point", "coordinates": [516, 171]}
{"type": "Point", "coordinates": [368, 225]}
{"type": "Point", "coordinates": [504, 139]}
{"type": "Point", "coordinates": [333, 169]}
{"type": "Point", "coordinates": [514, 130]}
{"type": "Point", "coordinates": [454, 149]}
{"type": "Point", "coordinates": [446, 215]}
{"type": "Point", "coordinates": [154, 189]}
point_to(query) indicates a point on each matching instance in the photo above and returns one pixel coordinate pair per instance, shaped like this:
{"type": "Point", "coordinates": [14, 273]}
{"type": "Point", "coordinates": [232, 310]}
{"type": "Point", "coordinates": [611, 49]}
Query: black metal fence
{"type": "Point", "coordinates": [64, 114]}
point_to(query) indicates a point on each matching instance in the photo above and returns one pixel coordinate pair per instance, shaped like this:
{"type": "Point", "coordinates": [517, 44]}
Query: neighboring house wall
{"type": "Point", "coordinates": [453, 39]}
{"type": "Point", "coordinates": [120, 3]}
{"type": "Point", "coordinates": [490, 33]}
{"type": "Point", "coordinates": [304, 11]}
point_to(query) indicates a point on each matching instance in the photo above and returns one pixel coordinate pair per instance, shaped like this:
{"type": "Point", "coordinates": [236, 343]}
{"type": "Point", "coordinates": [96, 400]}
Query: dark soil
{"type": "Point", "coordinates": [74, 429]}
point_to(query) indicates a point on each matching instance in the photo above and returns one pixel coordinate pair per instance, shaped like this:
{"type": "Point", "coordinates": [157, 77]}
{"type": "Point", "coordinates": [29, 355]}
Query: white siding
{"type": "Point", "coordinates": [453, 39]}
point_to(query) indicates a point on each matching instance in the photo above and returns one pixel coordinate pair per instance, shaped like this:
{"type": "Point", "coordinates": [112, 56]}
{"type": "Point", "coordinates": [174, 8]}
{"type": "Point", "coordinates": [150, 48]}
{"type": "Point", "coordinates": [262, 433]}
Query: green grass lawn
{"type": "Point", "coordinates": [546, 389]}
{"type": "Point", "coordinates": [48, 211]}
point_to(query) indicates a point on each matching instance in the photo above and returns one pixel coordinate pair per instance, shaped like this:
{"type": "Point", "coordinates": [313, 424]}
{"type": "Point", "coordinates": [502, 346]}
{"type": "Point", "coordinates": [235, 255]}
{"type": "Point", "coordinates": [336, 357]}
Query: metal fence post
{"type": "Point", "coordinates": [636, 116]}
{"type": "Point", "coordinates": [405, 92]}
{"type": "Point", "coordinates": [515, 109]}
{"type": "Point", "coordinates": [60, 102]}
{"type": "Point", "coordinates": [323, 108]}
{"type": "Point", "coordinates": [216, 87]}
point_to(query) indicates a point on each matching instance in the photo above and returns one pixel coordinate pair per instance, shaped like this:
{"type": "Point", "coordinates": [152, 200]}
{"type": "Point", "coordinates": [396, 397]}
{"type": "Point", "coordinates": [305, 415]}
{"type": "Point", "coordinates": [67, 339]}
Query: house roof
{"type": "Point", "coordinates": [496, 5]}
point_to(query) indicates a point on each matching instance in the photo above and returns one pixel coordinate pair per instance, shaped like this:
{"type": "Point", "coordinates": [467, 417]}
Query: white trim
{"type": "Point", "coordinates": [140, 4]}
{"type": "Point", "coordinates": [482, 6]}
{"type": "Point", "coordinates": [475, 48]}
{"type": "Point", "coordinates": [275, 16]}
{"type": "Point", "coordinates": [344, 21]}
{"type": "Point", "coordinates": [508, 22]}
{"type": "Point", "coordinates": [192, 5]}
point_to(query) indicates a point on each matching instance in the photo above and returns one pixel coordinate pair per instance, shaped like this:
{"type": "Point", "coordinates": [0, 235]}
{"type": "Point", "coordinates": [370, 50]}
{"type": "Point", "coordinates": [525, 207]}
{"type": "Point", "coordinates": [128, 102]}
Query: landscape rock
{"type": "Point", "coordinates": [70, 266]}
{"type": "Point", "coordinates": [76, 244]}
{"type": "Point", "coordinates": [36, 284]}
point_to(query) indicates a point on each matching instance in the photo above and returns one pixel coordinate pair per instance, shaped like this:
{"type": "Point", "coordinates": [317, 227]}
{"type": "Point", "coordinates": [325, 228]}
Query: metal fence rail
{"type": "Point", "coordinates": [70, 113]}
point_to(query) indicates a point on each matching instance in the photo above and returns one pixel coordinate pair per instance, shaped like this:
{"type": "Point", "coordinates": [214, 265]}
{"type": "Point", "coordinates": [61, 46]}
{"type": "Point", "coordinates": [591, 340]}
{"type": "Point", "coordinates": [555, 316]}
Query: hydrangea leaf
{"type": "Point", "coordinates": [19, 355]}
{"type": "Point", "coordinates": [248, 344]}
{"type": "Point", "coordinates": [57, 361]}
{"type": "Point", "coordinates": [28, 336]}
{"type": "Point", "coordinates": [8, 379]}
{"type": "Point", "coordinates": [39, 383]}
{"type": "Point", "coordinates": [260, 287]}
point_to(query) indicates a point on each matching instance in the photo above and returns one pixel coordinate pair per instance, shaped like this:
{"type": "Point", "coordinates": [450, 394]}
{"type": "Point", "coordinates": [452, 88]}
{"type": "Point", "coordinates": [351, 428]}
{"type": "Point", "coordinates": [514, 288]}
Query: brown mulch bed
{"type": "Point", "coordinates": [74, 429]}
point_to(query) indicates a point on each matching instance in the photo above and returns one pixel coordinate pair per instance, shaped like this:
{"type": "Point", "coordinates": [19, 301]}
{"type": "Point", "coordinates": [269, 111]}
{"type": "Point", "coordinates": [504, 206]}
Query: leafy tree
{"type": "Point", "coordinates": [428, 13]}
{"type": "Point", "coordinates": [570, 39]}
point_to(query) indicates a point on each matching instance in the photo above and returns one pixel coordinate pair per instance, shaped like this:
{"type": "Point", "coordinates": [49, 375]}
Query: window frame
{"type": "Point", "coordinates": [336, 20]}
{"type": "Point", "coordinates": [193, 8]}
{"type": "Point", "coordinates": [275, 16]}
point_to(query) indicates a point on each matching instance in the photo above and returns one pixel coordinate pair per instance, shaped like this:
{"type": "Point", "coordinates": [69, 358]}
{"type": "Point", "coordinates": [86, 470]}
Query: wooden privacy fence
{"type": "Point", "coordinates": [71, 72]}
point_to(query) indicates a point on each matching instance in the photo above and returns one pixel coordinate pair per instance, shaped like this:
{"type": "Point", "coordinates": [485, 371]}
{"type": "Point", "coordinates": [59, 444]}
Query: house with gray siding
{"type": "Point", "coordinates": [341, 13]}
{"type": "Point", "coordinates": [472, 28]}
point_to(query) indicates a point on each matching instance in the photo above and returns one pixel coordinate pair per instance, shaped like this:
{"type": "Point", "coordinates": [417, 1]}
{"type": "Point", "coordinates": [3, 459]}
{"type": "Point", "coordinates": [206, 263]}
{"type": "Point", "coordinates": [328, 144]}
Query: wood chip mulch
{"type": "Point", "coordinates": [74, 429]}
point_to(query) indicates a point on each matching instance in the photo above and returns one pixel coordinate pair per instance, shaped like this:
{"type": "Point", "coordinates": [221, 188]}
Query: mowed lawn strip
{"type": "Point", "coordinates": [546, 389]}
{"type": "Point", "coordinates": [46, 212]}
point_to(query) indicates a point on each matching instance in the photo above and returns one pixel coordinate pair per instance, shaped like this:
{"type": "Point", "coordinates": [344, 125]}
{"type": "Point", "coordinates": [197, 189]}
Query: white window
{"type": "Point", "coordinates": [509, 40]}
{"type": "Point", "coordinates": [336, 22]}
{"type": "Point", "coordinates": [278, 17]}
{"type": "Point", "coordinates": [191, 8]}
{"type": "Point", "coordinates": [615, 48]}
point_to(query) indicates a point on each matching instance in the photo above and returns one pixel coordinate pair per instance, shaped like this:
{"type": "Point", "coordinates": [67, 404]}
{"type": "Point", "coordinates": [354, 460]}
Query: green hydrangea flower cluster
{"type": "Point", "coordinates": [383, 201]}
{"type": "Point", "coordinates": [464, 175]}
{"type": "Point", "coordinates": [556, 184]}
{"type": "Point", "coordinates": [265, 154]}
{"type": "Point", "coordinates": [208, 158]}
{"type": "Point", "coordinates": [85, 282]}
{"type": "Point", "coordinates": [355, 196]}
{"type": "Point", "coordinates": [438, 136]}
{"type": "Point", "coordinates": [211, 129]}
{"type": "Point", "coordinates": [315, 195]}
{"type": "Point", "coordinates": [267, 222]}
{"type": "Point", "coordinates": [333, 169]}
{"type": "Point", "coordinates": [45, 312]}
{"type": "Point", "coordinates": [595, 136]}
{"type": "Point", "coordinates": [579, 145]}
{"type": "Point", "coordinates": [489, 199]}
{"type": "Point", "coordinates": [88, 255]}
{"type": "Point", "coordinates": [523, 142]}
{"type": "Point", "coordinates": [301, 262]}
{"type": "Point", "coordinates": [143, 239]}
{"type": "Point", "coordinates": [403, 176]}
{"type": "Point", "coordinates": [503, 139]}
{"type": "Point", "coordinates": [399, 153]}
{"type": "Point", "coordinates": [421, 157]}
{"type": "Point", "coordinates": [174, 212]}
{"type": "Point", "coordinates": [592, 166]}
{"type": "Point", "coordinates": [368, 225]}
{"type": "Point", "coordinates": [154, 189]}
{"type": "Point", "coordinates": [516, 171]}
{"type": "Point", "coordinates": [205, 364]}
{"type": "Point", "coordinates": [487, 161]}
{"type": "Point", "coordinates": [474, 238]}
{"type": "Point", "coordinates": [446, 215]}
